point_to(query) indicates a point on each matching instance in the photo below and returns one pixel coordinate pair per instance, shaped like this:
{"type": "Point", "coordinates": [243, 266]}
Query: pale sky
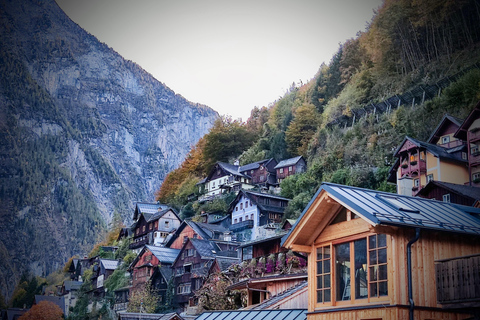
{"type": "Point", "coordinates": [228, 55]}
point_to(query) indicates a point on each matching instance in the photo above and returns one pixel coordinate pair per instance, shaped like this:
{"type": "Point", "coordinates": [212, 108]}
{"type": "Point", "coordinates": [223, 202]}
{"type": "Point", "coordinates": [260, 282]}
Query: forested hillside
{"type": "Point", "coordinates": [409, 45]}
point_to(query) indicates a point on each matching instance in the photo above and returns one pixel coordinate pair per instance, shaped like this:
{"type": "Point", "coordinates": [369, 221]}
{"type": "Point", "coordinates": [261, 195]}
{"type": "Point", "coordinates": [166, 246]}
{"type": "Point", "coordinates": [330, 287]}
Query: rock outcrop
{"type": "Point", "coordinates": [84, 134]}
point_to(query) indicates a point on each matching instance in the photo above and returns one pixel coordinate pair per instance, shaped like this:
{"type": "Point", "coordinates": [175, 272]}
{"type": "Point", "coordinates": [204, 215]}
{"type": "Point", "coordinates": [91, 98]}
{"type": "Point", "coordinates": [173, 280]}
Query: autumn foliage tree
{"type": "Point", "coordinates": [45, 310]}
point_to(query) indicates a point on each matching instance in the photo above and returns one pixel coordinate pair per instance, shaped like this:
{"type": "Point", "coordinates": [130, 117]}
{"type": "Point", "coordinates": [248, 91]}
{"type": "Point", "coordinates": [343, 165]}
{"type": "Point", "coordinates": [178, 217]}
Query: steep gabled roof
{"type": "Point", "coordinates": [288, 162]}
{"type": "Point", "coordinates": [227, 168]}
{"type": "Point", "coordinates": [438, 151]}
{"type": "Point", "coordinates": [474, 115]}
{"type": "Point", "coordinates": [161, 213]}
{"type": "Point", "coordinates": [109, 264]}
{"type": "Point", "coordinates": [445, 120]}
{"type": "Point", "coordinates": [164, 255]}
{"type": "Point", "coordinates": [148, 209]}
{"type": "Point", "coordinates": [381, 208]}
{"type": "Point", "coordinates": [255, 165]}
{"type": "Point", "coordinates": [461, 189]}
{"type": "Point", "coordinates": [205, 248]}
{"type": "Point", "coordinates": [252, 195]}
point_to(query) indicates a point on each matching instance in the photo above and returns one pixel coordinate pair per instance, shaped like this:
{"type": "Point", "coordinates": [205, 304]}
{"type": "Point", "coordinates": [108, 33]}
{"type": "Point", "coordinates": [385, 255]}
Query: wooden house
{"type": "Point", "coordinates": [261, 173]}
{"type": "Point", "coordinates": [256, 215]}
{"type": "Point", "coordinates": [420, 162]}
{"type": "Point", "coordinates": [470, 132]}
{"type": "Point", "coordinates": [224, 177]}
{"type": "Point", "coordinates": [148, 260]}
{"type": "Point", "coordinates": [373, 255]}
{"type": "Point", "coordinates": [195, 262]}
{"type": "Point", "coordinates": [290, 167]}
{"type": "Point", "coordinates": [450, 192]}
{"type": "Point", "coordinates": [153, 225]}
{"type": "Point", "coordinates": [197, 230]}
{"type": "Point", "coordinates": [149, 316]}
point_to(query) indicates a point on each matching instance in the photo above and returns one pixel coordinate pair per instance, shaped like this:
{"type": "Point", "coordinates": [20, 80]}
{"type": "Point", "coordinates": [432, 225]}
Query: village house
{"type": "Point", "coordinates": [196, 261]}
{"type": "Point", "coordinates": [378, 255]}
{"type": "Point", "coordinates": [102, 269]}
{"type": "Point", "coordinates": [153, 224]}
{"type": "Point", "coordinates": [451, 192]}
{"type": "Point", "coordinates": [224, 177]}
{"type": "Point", "coordinates": [268, 271]}
{"type": "Point", "coordinates": [469, 131]}
{"type": "Point", "coordinates": [420, 162]}
{"type": "Point", "coordinates": [204, 231]}
{"type": "Point", "coordinates": [448, 156]}
{"type": "Point", "coordinates": [261, 173]}
{"type": "Point", "coordinates": [256, 215]}
{"type": "Point", "coordinates": [290, 167]}
{"type": "Point", "coordinates": [148, 261]}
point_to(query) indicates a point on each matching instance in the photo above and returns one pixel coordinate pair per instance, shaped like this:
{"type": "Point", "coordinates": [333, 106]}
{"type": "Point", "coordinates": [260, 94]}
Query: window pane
{"type": "Point", "coordinates": [373, 290]}
{"type": "Point", "coordinates": [319, 254]}
{"type": "Point", "coordinates": [319, 296]}
{"type": "Point", "coordinates": [382, 255]}
{"type": "Point", "coordinates": [326, 266]}
{"type": "Point", "coordinates": [372, 242]}
{"type": "Point", "coordinates": [326, 293]}
{"type": "Point", "coordinates": [382, 240]}
{"type": "Point", "coordinates": [373, 273]}
{"type": "Point", "coordinates": [319, 267]}
{"type": "Point", "coordinates": [319, 282]}
{"type": "Point", "coordinates": [326, 252]}
{"type": "Point", "coordinates": [383, 288]}
{"type": "Point", "coordinates": [342, 263]}
{"type": "Point", "coordinates": [382, 272]}
{"type": "Point", "coordinates": [326, 281]}
{"type": "Point", "coordinates": [361, 284]}
{"type": "Point", "coordinates": [373, 257]}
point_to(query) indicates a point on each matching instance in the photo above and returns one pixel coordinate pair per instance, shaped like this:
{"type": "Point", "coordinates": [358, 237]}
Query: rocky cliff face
{"type": "Point", "coordinates": [84, 134]}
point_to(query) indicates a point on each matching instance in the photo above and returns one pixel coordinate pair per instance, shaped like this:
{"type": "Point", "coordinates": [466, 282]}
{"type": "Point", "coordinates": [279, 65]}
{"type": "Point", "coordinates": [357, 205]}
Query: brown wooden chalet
{"type": "Point", "coordinates": [148, 261]}
{"type": "Point", "coordinates": [290, 167]}
{"type": "Point", "coordinates": [102, 269]}
{"type": "Point", "coordinates": [451, 192]}
{"type": "Point", "coordinates": [470, 132]}
{"type": "Point", "coordinates": [196, 261]}
{"type": "Point", "coordinates": [262, 173]}
{"type": "Point", "coordinates": [153, 224]}
{"type": "Point", "coordinates": [198, 230]}
{"type": "Point", "coordinates": [378, 255]}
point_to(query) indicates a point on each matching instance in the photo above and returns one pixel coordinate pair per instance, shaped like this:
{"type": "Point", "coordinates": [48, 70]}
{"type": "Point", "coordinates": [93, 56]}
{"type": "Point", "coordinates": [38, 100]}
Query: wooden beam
{"type": "Point", "coordinates": [300, 248]}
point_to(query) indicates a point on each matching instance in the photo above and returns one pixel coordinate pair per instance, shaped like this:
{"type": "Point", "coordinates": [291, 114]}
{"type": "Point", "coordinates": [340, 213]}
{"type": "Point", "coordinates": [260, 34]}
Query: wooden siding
{"type": "Point", "coordinates": [458, 280]}
{"type": "Point", "coordinates": [386, 313]}
{"type": "Point", "coordinates": [186, 232]}
{"type": "Point", "coordinates": [431, 246]}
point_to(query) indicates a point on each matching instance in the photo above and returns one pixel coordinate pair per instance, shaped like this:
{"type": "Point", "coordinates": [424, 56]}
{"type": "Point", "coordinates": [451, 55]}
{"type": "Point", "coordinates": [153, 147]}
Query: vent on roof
{"type": "Point", "coordinates": [397, 204]}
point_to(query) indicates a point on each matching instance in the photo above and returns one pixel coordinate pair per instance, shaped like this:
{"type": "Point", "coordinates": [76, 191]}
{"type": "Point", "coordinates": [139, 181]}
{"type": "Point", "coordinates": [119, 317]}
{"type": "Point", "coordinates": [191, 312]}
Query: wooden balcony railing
{"type": "Point", "coordinates": [458, 280]}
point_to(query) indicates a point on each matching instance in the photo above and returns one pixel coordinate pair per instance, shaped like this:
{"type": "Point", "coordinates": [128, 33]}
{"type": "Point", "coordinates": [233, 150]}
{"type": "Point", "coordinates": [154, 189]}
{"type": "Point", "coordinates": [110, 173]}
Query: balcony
{"type": "Point", "coordinates": [138, 244]}
{"type": "Point", "coordinates": [458, 281]}
{"type": "Point", "coordinates": [413, 168]}
{"type": "Point", "coordinates": [247, 224]}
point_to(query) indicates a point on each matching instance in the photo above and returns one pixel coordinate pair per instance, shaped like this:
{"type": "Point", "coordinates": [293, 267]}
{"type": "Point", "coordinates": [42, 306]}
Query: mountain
{"type": "Point", "coordinates": [84, 134]}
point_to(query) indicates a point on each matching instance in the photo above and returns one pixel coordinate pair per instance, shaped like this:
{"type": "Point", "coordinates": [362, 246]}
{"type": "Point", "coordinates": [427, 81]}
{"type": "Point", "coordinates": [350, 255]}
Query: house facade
{"type": "Point", "coordinates": [470, 132]}
{"type": "Point", "coordinates": [290, 167]}
{"type": "Point", "coordinates": [153, 225]}
{"type": "Point", "coordinates": [195, 262]}
{"type": "Point", "coordinates": [450, 192]}
{"type": "Point", "coordinates": [148, 261]}
{"type": "Point", "coordinates": [261, 173]}
{"type": "Point", "coordinates": [373, 254]}
{"type": "Point", "coordinates": [256, 215]}
{"type": "Point", "coordinates": [225, 177]}
{"type": "Point", "coordinates": [420, 162]}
